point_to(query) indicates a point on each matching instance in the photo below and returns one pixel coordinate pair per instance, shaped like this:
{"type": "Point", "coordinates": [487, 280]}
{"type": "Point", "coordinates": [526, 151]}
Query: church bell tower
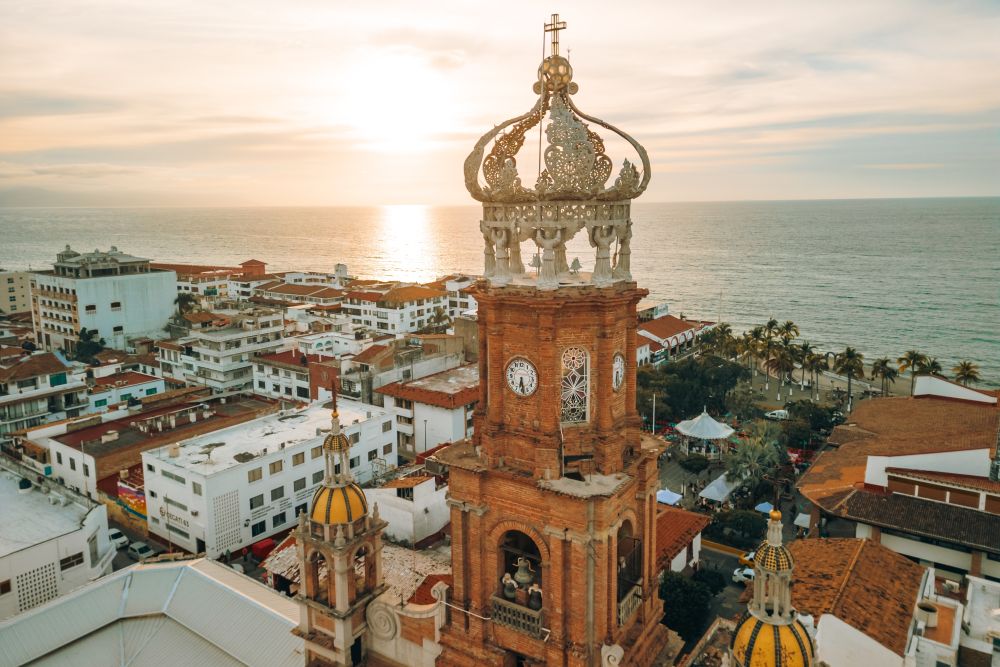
{"type": "Point", "coordinates": [553, 501]}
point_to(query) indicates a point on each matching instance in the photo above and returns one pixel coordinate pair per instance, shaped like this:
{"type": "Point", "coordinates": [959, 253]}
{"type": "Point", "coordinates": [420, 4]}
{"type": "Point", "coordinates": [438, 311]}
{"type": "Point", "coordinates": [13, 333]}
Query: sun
{"type": "Point", "coordinates": [395, 101]}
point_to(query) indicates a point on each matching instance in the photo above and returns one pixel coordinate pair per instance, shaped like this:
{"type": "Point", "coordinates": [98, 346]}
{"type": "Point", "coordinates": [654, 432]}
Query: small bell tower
{"type": "Point", "coordinates": [340, 562]}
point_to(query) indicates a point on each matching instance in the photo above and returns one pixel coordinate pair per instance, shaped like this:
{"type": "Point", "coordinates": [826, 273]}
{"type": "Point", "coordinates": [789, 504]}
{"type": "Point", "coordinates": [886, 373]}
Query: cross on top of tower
{"type": "Point", "coordinates": [554, 28]}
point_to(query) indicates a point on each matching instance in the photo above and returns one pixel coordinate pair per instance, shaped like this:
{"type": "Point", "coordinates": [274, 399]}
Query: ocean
{"type": "Point", "coordinates": [883, 276]}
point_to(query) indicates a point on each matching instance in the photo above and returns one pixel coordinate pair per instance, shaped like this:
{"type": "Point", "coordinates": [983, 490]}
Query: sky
{"type": "Point", "coordinates": [326, 102]}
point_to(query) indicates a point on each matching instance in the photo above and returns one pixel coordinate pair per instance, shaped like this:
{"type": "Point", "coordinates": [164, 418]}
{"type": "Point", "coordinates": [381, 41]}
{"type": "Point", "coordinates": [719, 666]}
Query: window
{"type": "Point", "coordinates": [356, 461]}
{"type": "Point", "coordinates": [71, 561]}
{"type": "Point", "coordinates": [150, 468]}
{"type": "Point", "coordinates": [255, 475]}
{"type": "Point", "coordinates": [257, 501]}
{"type": "Point", "coordinates": [152, 494]}
{"type": "Point", "coordinates": [386, 426]}
{"type": "Point", "coordinates": [150, 391]}
{"type": "Point", "coordinates": [59, 458]}
{"type": "Point", "coordinates": [302, 392]}
{"type": "Point", "coordinates": [575, 385]}
{"type": "Point", "coordinates": [171, 501]}
{"type": "Point", "coordinates": [405, 494]}
{"type": "Point", "coordinates": [72, 464]}
{"type": "Point", "coordinates": [316, 451]}
{"type": "Point", "coordinates": [354, 438]}
{"type": "Point", "coordinates": [299, 509]}
{"type": "Point", "coordinates": [260, 384]}
{"type": "Point", "coordinates": [196, 488]}
{"type": "Point", "coordinates": [372, 455]}
{"type": "Point", "coordinates": [92, 548]}
{"type": "Point", "coordinates": [258, 528]}
{"type": "Point", "coordinates": [86, 470]}
{"type": "Point", "coordinates": [387, 448]}
{"type": "Point", "coordinates": [100, 403]}
{"type": "Point", "coordinates": [278, 492]}
{"type": "Point", "coordinates": [299, 484]}
{"type": "Point", "coordinates": [298, 459]}
{"type": "Point", "coordinates": [317, 477]}
{"type": "Point", "coordinates": [90, 309]}
{"type": "Point", "coordinates": [116, 305]}
{"type": "Point", "coordinates": [170, 475]}
{"type": "Point", "coordinates": [174, 529]}
{"type": "Point", "coordinates": [5, 587]}
{"type": "Point", "coordinates": [275, 467]}
{"type": "Point", "coordinates": [118, 329]}
{"type": "Point", "coordinates": [278, 519]}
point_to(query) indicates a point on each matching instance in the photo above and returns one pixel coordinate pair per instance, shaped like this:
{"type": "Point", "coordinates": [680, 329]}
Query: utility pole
{"type": "Point", "coordinates": [654, 413]}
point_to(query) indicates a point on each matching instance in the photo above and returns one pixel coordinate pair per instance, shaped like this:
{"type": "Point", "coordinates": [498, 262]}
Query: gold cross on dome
{"type": "Point", "coordinates": [554, 28]}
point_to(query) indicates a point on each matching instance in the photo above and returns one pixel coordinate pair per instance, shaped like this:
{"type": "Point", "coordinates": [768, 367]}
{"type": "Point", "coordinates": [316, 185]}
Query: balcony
{"type": "Point", "coordinates": [517, 617]}
{"type": "Point", "coordinates": [628, 605]}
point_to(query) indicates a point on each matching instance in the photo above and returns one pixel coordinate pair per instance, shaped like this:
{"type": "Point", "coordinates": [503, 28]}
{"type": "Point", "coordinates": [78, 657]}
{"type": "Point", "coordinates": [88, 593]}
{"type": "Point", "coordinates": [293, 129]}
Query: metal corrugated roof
{"type": "Point", "coordinates": [187, 612]}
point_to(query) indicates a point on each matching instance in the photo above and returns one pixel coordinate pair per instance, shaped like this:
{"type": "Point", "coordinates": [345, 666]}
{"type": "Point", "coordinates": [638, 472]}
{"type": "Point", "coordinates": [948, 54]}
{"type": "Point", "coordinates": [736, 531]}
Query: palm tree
{"type": "Point", "coordinates": [966, 372]}
{"type": "Point", "coordinates": [756, 336]}
{"type": "Point", "coordinates": [931, 366]}
{"type": "Point", "coordinates": [801, 354]}
{"type": "Point", "coordinates": [909, 362]}
{"type": "Point", "coordinates": [770, 331]}
{"type": "Point", "coordinates": [815, 363]}
{"type": "Point", "coordinates": [850, 363]}
{"type": "Point", "coordinates": [788, 330]}
{"type": "Point", "coordinates": [438, 320]}
{"type": "Point", "coordinates": [757, 457]}
{"type": "Point", "coordinates": [879, 368]}
{"type": "Point", "coordinates": [782, 362]}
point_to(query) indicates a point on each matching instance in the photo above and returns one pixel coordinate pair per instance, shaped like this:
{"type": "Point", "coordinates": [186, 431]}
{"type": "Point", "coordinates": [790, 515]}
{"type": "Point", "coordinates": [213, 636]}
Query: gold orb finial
{"type": "Point", "coordinates": [775, 515]}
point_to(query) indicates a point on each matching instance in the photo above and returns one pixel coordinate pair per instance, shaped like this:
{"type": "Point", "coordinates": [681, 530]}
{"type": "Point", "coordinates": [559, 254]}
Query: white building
{"type": "Point", "coordinates": [414, 506]}
{"type": "Point", "coordinates": [458, 288]}
{"type": "Point", "coordinates": [981, 622]}
{"type": "Point", "coordinates": [401, 309]}
{"type": "Point", "coordinates": [286, 376]}
{"type": "Point", "coordinates": [220, 354]}
{"type": "Point", "coordinates": [51, 541]}
{"type": "Point", "coordinates": [350, 340]}
{"type": "Point", "coordinates": [230, 488]}
{"type": "Point", "coordinates": [38, 388]}
{"type": "Point", "coordinates": [115, 294]}
{"type": "Point", "coordinates": [15, 291]}
{"type": "Point", "coordinates": [110, 390]}
{"type": "Point", "coordinates": [192, 612]}
{"type": "Point", "coordinates": [434, 409]}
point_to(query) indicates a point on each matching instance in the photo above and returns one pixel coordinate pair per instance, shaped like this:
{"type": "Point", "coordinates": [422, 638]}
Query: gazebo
{"type": "Point", "coordinates": [701, 435]}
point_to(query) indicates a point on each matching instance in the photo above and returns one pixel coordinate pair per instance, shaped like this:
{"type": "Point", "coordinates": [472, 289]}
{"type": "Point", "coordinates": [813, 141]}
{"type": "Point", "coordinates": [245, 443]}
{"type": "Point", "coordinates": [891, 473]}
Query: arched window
{"type": "Point", "coordinates": [629, 560]}
{"type": "Point", "coordinates": [575, 385]}
{"type": "Point", "coordinates": [515, 548]}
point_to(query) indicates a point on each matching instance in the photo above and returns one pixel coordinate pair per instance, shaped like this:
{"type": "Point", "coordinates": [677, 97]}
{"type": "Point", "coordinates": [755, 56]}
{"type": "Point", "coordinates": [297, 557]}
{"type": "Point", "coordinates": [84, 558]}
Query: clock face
{"type": "Point", "coordinates": [618, 371]}
{"type": "Point", "coordinates": [522, 378]}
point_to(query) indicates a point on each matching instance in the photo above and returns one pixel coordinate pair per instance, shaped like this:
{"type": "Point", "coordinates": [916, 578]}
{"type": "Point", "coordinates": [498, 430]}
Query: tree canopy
{"type": "Point", "coordinates": [686, 387]}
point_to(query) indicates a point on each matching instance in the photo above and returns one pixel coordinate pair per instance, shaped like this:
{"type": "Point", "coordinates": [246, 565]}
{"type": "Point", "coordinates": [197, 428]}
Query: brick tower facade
{"type": "Point", "coordinates": [553, 501]}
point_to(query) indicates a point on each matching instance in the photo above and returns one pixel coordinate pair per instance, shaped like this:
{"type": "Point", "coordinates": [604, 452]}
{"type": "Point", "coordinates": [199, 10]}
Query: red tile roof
{"type": "Point", "coordinates": [127, 378]}
{"type": "Point", "coordinates": [675, 530]}
{"type": "Point", "coordinates": [423, 593]}
{"type": "Point", "coordinates": [966, 481]}
{"type": "Point", "coordinates": [667, 326]}
{"type": "Point", "coordinates": [369, 354]}
{"type": "Point", "coordinates": [40, 363]}
{"type": "Point", "coordinates": [871, 588]}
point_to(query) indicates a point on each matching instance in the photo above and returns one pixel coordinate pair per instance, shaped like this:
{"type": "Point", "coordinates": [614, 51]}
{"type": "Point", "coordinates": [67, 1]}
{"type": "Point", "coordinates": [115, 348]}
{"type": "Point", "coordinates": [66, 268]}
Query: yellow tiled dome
{"type": "Point", "coordinates": [773, 558]}
{"type": "Point", "coordinates": [759, 644]}
{"type": "Point", "coordinates": [339, 504]}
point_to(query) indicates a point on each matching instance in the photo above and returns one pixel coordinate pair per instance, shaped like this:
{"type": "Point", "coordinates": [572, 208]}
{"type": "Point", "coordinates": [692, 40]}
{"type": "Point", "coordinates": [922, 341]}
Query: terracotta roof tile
{"type": "Point", "coordinates": [667, 326]}
{"type": "Point", "coordinates": [423, 593]}
{"type": "Point", "coordinates": [128, 378]}
{"type": "Point", "coordinates": [44, 363]}
{"type": "Point", "coordinates": [966, 481]}
{"type": "Point", "coordinates": [871, 588]}
{"type": "Point", "coordinates": [368, 355]}
{"type": "Point", "coordinates": [675, 529]}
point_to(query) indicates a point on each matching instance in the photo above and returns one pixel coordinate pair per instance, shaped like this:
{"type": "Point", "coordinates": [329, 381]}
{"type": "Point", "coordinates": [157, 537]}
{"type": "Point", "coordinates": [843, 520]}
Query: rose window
{"type": "Point", "coordinates": [575, 385]}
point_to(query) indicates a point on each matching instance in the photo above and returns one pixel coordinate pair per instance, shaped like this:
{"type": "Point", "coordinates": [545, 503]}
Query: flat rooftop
{"type": "Point", "coordinates": [448, 389]}
{"type": "Point", "coordinates": [223, 449]}
{"type": "Point", "coordinates": [29, 518]}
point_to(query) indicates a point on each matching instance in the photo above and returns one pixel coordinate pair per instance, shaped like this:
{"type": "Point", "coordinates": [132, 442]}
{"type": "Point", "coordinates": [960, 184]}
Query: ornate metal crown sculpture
{"type": "Point", "coordinates": [570, 193]}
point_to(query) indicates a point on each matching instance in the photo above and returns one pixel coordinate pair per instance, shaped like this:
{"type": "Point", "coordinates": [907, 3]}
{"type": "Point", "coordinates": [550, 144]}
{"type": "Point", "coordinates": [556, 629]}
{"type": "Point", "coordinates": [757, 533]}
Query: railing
{"type": "Point", "coordinates": [628, 605]}
{"type": "Point", "coordinates": [517, 617]}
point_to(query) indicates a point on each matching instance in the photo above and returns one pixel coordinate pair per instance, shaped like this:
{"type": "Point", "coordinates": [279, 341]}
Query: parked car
{"type": "Point", "coordinates": [743, 575]}
{"type": "Point", "coordinates": [746, 559]}
{"type": "Point", "coordinates": [140, 551]}
{"type": "Point", "coordinates": [777, 415]}
{"type": "Point", "coordinates": [118, 538]}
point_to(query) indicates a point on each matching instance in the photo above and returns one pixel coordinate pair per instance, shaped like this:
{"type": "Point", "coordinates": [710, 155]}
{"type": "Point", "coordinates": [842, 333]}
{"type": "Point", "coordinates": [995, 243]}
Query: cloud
{"type": "Point", "coordinates": [905, 166]}
{"type": "Point", "coordinates": [14, 104]}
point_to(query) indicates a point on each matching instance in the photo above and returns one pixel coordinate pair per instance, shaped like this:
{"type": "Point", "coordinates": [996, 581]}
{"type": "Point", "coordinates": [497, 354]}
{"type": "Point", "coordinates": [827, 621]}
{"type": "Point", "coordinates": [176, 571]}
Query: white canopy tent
{"type": "Point", "coordinates": [703, 427]}
{"type": "Point", "coordinates": [720, 489]}
{"type": "Point", "coordinates": [667, 497]}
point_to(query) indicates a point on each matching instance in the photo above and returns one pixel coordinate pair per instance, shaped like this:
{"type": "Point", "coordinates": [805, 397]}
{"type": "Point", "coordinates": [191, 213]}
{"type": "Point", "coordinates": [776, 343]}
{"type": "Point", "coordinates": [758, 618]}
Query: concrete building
{"type": "Point", "coordinates": [82, 453]}
{"type": "Point", "coordinates": [433, 409]}
{"type": "Point", "coordinates": [51, 541]}
{"type": "Point", "coordinates": [413, 506]}
{"type": "Point", "coordinates": [457, 286]}
{"type": "Point", "coordinates": [225, 490]}
{"type": "Point", "coordinates": [917, 475]}
{"type": "Point", "coordinates": [15, 291]}
{"type": "Point", "coordinates": [192, 612]}
{"type": "Point", "coordinates": [289, 376]}
{"type": "Point", "coordinates": [303, 293]}
{"type": "Point", "coordinates": [117, 295]}
{"type": "Point", "coordinates": [400, 309]}
{"type": "Point", "coordinates": [665, 338]}
{"type": "Point", "coordinates": [37, 388]}
{"type": "Point", "coordinates": [979, 644]}
{"type": "Point", "coordinates": [219, 351]}
{"type": "Point", "coordinates": [110, 390]}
